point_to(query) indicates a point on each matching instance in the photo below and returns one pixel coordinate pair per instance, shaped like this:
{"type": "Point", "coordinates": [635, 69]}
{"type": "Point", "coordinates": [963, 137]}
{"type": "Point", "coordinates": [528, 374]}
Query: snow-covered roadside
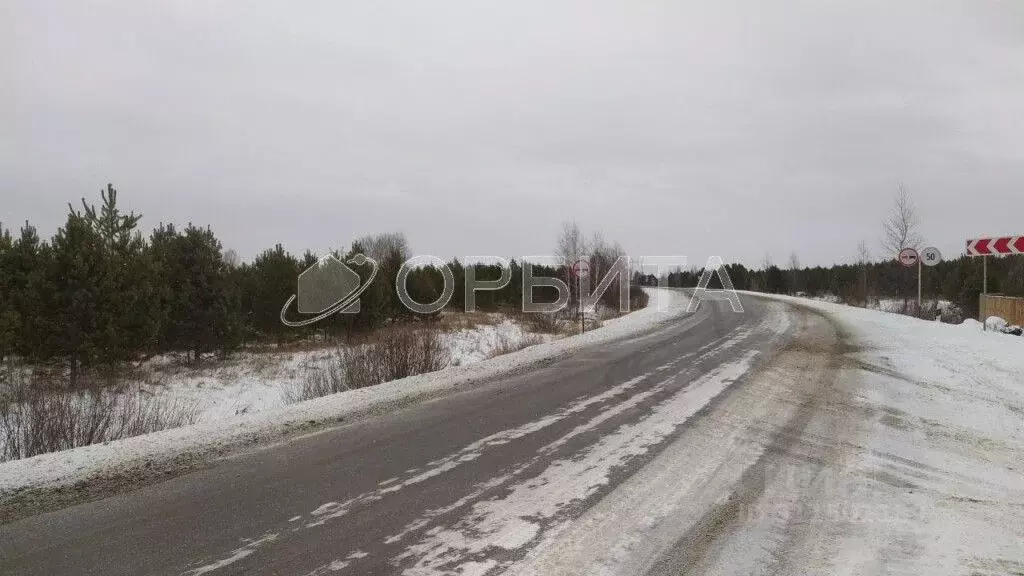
{"type": "Point", "coordinates": [472, 345]}
{"type": "Point", "coordinates": [251, 382]}
{"type": "Point", "coordinates": [153, 451]}
{"type": "Point", "coordinates": [934, 483]}
{"type": "Point", "coordinates": [899, 305]}
{"type": "Point", "coordinates": [246, 383]}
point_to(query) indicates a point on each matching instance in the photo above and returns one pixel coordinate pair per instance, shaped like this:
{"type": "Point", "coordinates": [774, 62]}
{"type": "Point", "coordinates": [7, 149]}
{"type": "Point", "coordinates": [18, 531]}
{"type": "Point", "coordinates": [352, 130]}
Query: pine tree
{"type": "Point", "coordinates": [10, 320]}
{"type": "Point", "coordinates": [275, 275]}
{"type": "Point", "coordinates": [26, 270]}
{"type": "Point", "coordinates": [206, 319]}
{"type": "Point", "coordinates": [128, 323]}
{"type": "Point", "coordinates": [195, 300]}
{"type": "Point", "coordinates": [166, 300]}
{"type": "Point", "coordinates": [78, 275]}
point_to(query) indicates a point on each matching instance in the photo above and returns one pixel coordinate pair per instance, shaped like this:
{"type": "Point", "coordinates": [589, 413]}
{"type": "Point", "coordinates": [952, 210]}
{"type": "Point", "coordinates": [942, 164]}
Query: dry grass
{"type": "Point", "coordinates": [452, 321]}
{"type": "Point", "coordinates": [385, 355]}
{"type": "Point", "coordinates": [321, 381]}
{"type": "Point", "coordinates": [541, 323]}
{"type": "Point", "coordinates": [36, 419]}
{"type": "Point", "coordinates": [508, 343]}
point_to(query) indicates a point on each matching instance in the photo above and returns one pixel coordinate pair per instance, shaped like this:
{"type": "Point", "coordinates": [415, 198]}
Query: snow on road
{"type": "Point", "coordinates": [936, 477]}
{"type": "Point", "coordinates": [537, 506]}
{"type": "Point", "coordinates": [511, 522]}
{"type": "Point", "coordinates": [908, 459]}
{"type": "Point", "coordinates": [158, 451]}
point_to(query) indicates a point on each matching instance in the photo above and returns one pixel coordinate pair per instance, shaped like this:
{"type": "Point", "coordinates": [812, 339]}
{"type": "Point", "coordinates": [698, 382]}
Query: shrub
{"type": "Point", "coordinates": [638, 298]}
{"type": "Point", "coordinates": [540, 322]}
{"type": "Point", "coordinates": [394, 353]}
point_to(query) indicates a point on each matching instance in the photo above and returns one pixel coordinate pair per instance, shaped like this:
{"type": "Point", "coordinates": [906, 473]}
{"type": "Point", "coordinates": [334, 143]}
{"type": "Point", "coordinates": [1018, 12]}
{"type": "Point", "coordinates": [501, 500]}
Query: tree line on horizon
{"type": "Point", "coordinates": [100, 293]}
{"type": "Point", "coordinates": [958, 281]}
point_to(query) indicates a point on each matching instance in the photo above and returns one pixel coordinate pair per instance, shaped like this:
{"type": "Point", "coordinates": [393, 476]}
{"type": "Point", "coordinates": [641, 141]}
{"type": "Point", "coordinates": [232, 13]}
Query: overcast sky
{"type": "Point", "coordinates": [477, 126]}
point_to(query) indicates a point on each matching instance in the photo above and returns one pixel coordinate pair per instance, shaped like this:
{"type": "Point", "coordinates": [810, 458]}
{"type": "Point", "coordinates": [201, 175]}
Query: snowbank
{"type": "Point", "coordinates": [936, 469]}
{"type": "Point", "coordinates": [995, 323]}
{"type": "Point", "coordinates": [158, 449]}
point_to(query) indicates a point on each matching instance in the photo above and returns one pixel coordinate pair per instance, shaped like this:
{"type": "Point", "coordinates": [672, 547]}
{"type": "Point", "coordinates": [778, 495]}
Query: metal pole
{"type": "Point", "coordinates": [919, 285]}
{"type": "Point", "coordinates": [984, 275]}
{"type": "Point", "coordinates": [579, 290]}
{"type": "Point", "coordinates": [984, 291]}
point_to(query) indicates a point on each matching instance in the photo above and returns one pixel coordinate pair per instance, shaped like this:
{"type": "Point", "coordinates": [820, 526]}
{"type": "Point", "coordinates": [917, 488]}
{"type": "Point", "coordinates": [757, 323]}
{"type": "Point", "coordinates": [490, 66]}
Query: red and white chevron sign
{"type": "Point", "coordinates": [995, 246]}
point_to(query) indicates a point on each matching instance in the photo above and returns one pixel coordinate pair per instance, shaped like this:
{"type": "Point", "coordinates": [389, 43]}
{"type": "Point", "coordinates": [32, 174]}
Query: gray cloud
{"type": "Point", "coordinates": [728, 127]}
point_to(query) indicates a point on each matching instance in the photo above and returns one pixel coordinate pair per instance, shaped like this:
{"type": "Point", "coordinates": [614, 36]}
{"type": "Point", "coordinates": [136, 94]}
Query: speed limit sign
{"type": "Point", "coordinates": [931, 256]}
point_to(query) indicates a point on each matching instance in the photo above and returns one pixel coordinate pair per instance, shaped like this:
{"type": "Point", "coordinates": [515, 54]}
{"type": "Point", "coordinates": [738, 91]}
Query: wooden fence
{"type": "Point", "coordinates": [1007, 307]}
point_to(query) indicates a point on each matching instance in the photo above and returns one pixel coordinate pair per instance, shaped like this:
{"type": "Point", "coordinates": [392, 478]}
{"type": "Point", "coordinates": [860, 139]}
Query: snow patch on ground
{"type": "Point", "coordinates": [473, 345]}
{"type": "Point", "coordinates": [248, 382]}
{"type": "Point", "coordinates": [897, 305]}
{"type": "Point", "coordinates": [251, 382]}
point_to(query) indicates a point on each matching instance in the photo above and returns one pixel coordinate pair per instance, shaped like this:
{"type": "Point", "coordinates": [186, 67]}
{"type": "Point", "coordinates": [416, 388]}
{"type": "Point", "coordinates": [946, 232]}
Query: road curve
{"type": "Point", "coordinates": [617, 458]}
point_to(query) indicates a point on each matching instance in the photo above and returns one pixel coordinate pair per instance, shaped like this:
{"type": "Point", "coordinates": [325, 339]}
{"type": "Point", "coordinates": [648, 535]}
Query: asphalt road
{"type": "Point", "coordinates": [473, 483]}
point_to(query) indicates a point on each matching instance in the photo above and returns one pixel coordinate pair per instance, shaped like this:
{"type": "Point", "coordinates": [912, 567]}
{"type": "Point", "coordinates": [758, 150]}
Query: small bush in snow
{"type": "Point", "coordinates": [951, 314]}
{"type": "Point", "coordinates": [394, 353]}
{"type": "Point", "coordinates": [540, 322]}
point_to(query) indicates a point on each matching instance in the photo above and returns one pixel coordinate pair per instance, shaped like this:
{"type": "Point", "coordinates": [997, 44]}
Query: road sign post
{"type": "Point", "coordinates": [910, 258]}
{"type": "Point", "coordinates": [929, 257]}
{"type": "Point", "coordinates": [998, 246]}
{"type": "Point", "coordinates": [581, 268]}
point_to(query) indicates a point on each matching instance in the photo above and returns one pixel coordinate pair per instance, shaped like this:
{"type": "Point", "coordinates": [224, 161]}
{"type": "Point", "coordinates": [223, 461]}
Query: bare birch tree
{"type": "Point", "coordinates": [571, 244]}
{"type": "Point", "coordinates": [382, 247]}
{"type": "Point", "coordinates": [794, 270]}
{"type": "Point", "coordinates": [863, 261]}
{"type": "Point", "coordinates": [603, 255]}
{"type": "Point", "coordinates": [900, 227]}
